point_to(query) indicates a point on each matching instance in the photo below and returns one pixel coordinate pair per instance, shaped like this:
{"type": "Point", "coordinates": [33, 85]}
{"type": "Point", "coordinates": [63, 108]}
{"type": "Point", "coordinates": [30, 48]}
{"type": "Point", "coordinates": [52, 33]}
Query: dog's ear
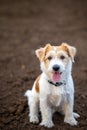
{"type": "Point", "coordinates": [40, 53]}
{"type": "Point", "coordinates": [70, 50]}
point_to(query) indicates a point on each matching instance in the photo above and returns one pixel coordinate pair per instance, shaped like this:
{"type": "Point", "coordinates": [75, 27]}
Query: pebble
{"type": "Point", "coordinates": [83, 96]}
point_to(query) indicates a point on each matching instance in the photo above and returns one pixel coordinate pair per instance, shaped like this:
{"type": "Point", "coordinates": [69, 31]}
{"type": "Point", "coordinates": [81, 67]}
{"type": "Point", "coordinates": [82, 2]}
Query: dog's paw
{"type": "Point", "coordinates": [34, 119]}
{"type": "Point", "coordinates": [71, 121]}
{"type": "Point", "coordinates": [48, 124]}
{"type": "Point", "coordinates": [76, 115]}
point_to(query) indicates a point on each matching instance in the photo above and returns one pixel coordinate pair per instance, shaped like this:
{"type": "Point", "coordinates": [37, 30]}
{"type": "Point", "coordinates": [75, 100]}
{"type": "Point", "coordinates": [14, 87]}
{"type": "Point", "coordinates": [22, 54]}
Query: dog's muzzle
{"type": "Point", "coordinates": [56, 67]}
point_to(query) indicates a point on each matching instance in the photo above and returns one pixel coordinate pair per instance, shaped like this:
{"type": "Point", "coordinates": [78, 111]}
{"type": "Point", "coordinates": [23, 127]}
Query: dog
{"type": "Point", "coordinates": [53, 90]}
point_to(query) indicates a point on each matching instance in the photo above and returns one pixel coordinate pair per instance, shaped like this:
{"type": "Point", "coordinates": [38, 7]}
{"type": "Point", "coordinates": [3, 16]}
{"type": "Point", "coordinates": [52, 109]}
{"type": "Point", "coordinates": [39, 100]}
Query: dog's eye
{"type": "Point", "coordinates": [62, 57]}
{"type": "Point", "coordinates": [49, 58]}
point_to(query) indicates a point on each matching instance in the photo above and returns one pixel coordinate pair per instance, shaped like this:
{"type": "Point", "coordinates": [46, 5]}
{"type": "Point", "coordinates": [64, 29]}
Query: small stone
{"type": "Point", "coordinates": [83, 105]}
{"type": "Point", "coordinates": [83, 96]}
{"type": "Point", "coordinates": [23, 67]}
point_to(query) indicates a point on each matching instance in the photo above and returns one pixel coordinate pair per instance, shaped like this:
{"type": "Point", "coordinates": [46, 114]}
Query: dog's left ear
{"type": "Point", "coordinates": [70, 50]}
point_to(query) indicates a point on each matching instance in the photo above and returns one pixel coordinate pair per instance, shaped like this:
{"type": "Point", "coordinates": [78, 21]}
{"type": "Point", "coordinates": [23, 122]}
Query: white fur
{"type": "Point", "coordinates": [51, 98]}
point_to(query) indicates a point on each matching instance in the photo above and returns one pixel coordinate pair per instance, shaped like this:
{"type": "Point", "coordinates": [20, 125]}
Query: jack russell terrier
{"type": "Point", "coordinates": [53, 90]}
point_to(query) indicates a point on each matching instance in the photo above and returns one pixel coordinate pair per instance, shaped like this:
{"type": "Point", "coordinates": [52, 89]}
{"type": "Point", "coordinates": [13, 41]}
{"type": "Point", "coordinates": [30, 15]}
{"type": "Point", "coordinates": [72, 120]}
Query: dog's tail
{"type": "Point", "coordinates": [27, 93]}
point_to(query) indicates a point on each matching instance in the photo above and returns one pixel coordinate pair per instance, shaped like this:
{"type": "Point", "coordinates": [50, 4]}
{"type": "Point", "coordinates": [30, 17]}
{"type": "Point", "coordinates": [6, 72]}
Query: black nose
{"type": "Point", "coordinates": [56, 67]}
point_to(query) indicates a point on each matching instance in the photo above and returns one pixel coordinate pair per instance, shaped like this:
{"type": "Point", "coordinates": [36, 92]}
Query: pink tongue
{"type": "Point", "coordinates": [56, 76]}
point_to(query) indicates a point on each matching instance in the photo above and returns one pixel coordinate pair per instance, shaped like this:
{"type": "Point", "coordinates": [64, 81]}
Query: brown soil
{"type": "Point", "coordinates": [26, 25]}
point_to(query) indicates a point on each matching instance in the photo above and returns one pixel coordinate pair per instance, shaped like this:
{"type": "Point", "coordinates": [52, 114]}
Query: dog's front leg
{"type": "Point", "coordinates": [68, 111]}
{"type": "Point", "coordinates": [46, 113]}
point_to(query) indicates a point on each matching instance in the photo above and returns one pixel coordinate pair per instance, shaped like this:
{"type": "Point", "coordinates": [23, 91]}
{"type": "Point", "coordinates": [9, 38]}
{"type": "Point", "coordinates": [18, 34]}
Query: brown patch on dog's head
{"type": "Point", "coordinates": [41, 53]}
{"type": "Point", "coordinates": [69, 49]}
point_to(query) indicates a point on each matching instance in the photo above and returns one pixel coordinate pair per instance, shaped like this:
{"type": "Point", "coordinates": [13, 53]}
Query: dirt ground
{"type": "Point", "coordinates": [26, 25]}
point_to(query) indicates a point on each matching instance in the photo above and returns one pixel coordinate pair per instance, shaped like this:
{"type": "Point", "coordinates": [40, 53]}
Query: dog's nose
{"type": "Point", "coordinates": [56, 67]}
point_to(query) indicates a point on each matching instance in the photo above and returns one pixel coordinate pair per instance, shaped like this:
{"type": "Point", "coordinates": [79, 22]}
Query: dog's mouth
{"type": "Point", "coordinates": [56, 76]}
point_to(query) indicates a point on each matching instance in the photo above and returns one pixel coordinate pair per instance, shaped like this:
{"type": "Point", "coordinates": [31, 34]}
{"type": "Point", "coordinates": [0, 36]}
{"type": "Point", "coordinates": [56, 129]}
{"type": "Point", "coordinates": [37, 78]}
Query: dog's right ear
{"type": "Point", "coordinates": [40, 53]}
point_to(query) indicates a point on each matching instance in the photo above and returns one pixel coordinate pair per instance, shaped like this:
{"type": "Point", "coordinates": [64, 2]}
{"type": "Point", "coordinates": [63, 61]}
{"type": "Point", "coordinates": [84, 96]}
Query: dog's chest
{"type": "Point", "coordinates": [56, 96]}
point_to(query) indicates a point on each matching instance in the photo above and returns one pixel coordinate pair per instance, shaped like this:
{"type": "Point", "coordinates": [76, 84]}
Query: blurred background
{"type": "Point", "coordinates": [26, 25]}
